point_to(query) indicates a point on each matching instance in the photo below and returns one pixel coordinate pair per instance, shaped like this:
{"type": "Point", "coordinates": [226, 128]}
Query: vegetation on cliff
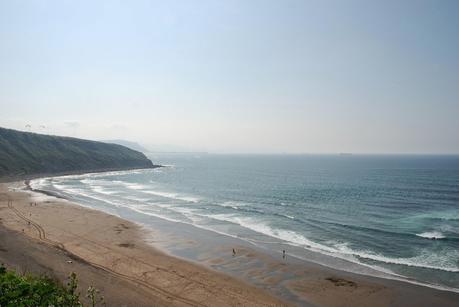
{"type": "Point", "coordinates": [25, 153]}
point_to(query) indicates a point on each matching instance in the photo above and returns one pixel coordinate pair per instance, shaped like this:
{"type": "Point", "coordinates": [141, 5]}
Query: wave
{"type": "Point", "coordinates": [155, 215]}
{"type": "Point", "coordinates": [146, 189]}
{"type": "Point", "coordinates": [77, 192]}
{"type": "Point", "coordinates": [105, 174]}
{"type": "Point", "coordinates": [101, 190]}
{"type": "Point", "coordinates": [447, 215]}
{"type": "Point", "coordinates": [134, 186]}
{"type": "Point", "coordinates": [369, 230]}
{"type": "Point", "coordinates": [245, 207]}
{"type": "Point", "coordinates": [341, 250]}
{"type": "Point", "coordinates": [284, 215]}
{"type": "Point", "coordinates": [263, 228]}
{"type": "Point", "coordinates": [230, 206]}
{"type": "Point", "coordinates": [38, 183]}
{"type": "Point", "coordinates": [84, 176]}
{"type": "Point", "coordinates": [424, 260]}
{"type": "Point", "coordinates": [87, 181]}
{"type": "Point", "coordinates": [140, 205]}
{"type": "Point", "coordinates": [239, 206]}
{"type": "Point", "coordinates": [64, 187]}
{"type": "Point", "coordinates": [190, 199]}
{"type": "Point", "coordinates": [434, 235]}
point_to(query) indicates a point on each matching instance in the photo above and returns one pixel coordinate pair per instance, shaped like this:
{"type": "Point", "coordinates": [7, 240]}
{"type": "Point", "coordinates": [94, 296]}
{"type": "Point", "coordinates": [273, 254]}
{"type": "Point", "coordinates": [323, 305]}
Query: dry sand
{"type": "Point", "coordinates": [112, 254]}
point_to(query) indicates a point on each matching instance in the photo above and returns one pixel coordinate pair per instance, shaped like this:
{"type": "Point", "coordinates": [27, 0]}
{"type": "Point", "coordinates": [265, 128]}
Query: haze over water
{"type": "Point", "coordinates": [397, 214]}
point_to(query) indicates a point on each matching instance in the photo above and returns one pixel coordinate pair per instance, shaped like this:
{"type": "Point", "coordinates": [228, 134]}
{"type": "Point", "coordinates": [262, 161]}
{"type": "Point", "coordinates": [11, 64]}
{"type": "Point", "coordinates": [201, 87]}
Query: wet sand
{"type": "Point", "coordinates": [118, 258]}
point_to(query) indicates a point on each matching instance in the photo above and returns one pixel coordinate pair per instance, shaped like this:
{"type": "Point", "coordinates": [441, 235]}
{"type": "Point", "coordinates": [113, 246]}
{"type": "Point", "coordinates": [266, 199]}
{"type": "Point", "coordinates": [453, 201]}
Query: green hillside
{"type": "Point", "coordinates": [24, 154]}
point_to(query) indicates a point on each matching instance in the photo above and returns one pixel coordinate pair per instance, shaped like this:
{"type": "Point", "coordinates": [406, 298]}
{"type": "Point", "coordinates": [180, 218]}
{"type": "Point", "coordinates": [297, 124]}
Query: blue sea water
{"type": "Point", "coordinates": [397, 214]}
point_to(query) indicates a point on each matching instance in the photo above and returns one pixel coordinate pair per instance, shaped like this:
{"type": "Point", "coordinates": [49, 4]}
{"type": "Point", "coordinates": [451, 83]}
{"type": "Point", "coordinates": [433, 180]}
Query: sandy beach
{"type": "Point", "coordinates": [110, 254]}
{"type": "Point", "coordinates": [44, 234]}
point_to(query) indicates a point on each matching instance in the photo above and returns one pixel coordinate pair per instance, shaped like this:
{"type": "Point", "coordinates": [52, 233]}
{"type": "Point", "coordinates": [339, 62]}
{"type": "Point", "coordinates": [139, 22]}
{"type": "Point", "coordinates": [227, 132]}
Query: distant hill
{"type": "Point", "coordinates": [25, 154]}
{"type": "Point", "coordinates": [128, 144]}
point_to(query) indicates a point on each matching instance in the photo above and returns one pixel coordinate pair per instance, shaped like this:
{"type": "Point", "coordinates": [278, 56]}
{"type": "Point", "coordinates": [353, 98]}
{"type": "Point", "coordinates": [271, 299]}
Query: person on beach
{"type": "Point", "coordinates": [234, 252]}
{"type": "Point", "coordinates": [283, 254]}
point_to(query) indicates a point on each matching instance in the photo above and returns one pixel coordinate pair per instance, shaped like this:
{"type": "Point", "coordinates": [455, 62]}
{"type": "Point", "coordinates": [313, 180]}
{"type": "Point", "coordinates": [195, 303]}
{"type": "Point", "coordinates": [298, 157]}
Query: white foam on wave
{"type": "Point", "coordinates": [87, 181]}
{"type": "Point", "coordinates": [139, 205]}
{"type": "Point", "coordinates": [167, 218]}
{"type": "Point", "coordinates": [434, 235]}
{"type": "Point", "coordinates": [263, 228]}
{"type": "Point", "coordinates": [190, 199]}
{"type": "Point", "coordinates": [426, 259]}
{"type": "Point", "coordinates": [38, 183]}
{"type": "Point", "coordinates": [102, 190]}
{"type": "Point", "coordinates": [98, 186]}
{"type": "Point", "coordinates": [232, 204]}
{"type": "Point", "coordinates": [147, 190]}
{"type": "Point", "coordinates": [130, 185]}
{"type": "Point", "coordinates": [62, 187]}
{"type": "Point", "coordinates": [135, 198]}
{"type": "Point", "coordinates": [289, 236]}
{"type": "Point", "coordinates": [188, 212]}
{"type": "Point", "coordinates": [101, 199]}
{"type": "Point", "coordinates": [105, 174]}
{"type": "Point", "coordinates": [135, 186]}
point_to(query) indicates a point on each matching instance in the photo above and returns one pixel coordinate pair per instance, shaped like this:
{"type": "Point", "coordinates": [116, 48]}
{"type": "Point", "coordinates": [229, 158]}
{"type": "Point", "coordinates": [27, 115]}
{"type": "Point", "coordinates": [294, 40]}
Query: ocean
{"type": "Point", "coordinates": [397, 214]}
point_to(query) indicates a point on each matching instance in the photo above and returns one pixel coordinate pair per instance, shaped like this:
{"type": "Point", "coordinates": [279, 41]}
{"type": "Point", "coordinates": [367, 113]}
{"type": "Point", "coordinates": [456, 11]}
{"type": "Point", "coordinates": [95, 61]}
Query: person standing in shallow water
{"type": "Point", "coordinates": [283, 254]}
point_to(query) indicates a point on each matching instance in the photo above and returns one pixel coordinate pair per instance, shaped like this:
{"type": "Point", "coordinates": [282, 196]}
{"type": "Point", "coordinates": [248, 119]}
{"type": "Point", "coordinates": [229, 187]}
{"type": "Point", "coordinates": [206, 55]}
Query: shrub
{"type": "Point", "coordinates": [28, 290]}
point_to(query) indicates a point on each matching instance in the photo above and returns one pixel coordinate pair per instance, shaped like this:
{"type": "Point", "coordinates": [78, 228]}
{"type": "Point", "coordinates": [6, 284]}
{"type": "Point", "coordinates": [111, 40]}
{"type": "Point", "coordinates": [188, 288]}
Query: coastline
{"type": "Point", "coordinates": [293, 281]}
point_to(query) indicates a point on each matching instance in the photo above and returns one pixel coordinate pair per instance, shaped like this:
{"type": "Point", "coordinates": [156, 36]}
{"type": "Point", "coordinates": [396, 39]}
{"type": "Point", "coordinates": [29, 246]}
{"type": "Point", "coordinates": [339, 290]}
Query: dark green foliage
{"type": "Point", "coordinates": [25, 153]}
{"type": "Point", "coordinates": [27, 291]}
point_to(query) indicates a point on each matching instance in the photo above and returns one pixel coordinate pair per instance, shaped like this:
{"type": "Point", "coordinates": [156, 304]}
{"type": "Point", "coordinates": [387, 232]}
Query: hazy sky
{"type": "Point", "coordinates": [236, 76]}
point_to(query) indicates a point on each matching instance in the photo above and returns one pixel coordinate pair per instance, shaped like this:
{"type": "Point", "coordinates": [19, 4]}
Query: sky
{"type": "Point", "coordinates": [236, 76]}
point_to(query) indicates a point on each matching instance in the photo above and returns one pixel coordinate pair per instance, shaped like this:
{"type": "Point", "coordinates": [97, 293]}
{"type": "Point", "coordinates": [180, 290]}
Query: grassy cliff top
{"type": "Point", "coordinates": [25, 154]}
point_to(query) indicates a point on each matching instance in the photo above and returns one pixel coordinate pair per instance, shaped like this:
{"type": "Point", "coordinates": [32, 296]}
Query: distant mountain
{"type": "Point", "coordinates": [25, 154]}
{"type": "Point", "coordinates": [128, 144]}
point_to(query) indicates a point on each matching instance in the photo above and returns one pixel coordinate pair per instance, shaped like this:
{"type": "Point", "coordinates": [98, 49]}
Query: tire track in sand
{"type": "Point", "coordinates": [42, 237]}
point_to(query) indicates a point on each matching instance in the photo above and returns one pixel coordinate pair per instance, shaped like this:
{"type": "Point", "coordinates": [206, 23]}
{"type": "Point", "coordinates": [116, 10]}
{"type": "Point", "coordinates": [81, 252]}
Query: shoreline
{"type": "Point", "coordinates": [317, 285]}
